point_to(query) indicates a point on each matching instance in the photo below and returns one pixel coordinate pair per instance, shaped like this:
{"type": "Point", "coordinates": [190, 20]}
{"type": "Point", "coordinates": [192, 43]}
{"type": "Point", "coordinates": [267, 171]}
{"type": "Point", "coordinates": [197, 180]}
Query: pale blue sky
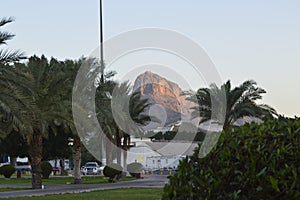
{"type": "Point", "coordinates": [256, 39]}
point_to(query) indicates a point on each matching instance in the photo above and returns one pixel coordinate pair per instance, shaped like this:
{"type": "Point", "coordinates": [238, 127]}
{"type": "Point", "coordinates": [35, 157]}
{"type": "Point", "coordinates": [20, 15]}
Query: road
{"type": "Point", "coordinates": [153, 181]}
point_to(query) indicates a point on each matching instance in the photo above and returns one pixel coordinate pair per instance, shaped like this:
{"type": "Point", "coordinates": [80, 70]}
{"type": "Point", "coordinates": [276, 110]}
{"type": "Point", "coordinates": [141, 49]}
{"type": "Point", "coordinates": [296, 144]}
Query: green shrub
{"type": "Point", "coordinates": [250, 162]}
{"type": "Point", "coordinates": [134, 169]}
{"type": "Point", "coordinates": [7, 170]}
{"type": "Point", "coordinates": [112, 171]}
{"type": "Point", "coordinates": [46, 169]}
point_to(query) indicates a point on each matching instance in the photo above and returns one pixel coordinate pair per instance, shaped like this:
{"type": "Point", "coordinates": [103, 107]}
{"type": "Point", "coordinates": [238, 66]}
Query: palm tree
{"type": "Point", "coordinates": [14, 93]}
{"type": "Point", "coordinates": [70, 69]}
{"type": "Point", "coordinates": [82, 109]}
{"type": "Point", "coordinates": [8, 56]}
{"type": "Point", "coordinates": [16, 104]}
{"type": "Point", "coordinates": [129, 115]}
{"type": "Point", "coordinates": [137, 107]}
{"type": "Point", "coordinates": [240, 102]}
{"type": "Point", "coordinates": [106, 120]}
{"type": "Point", "coordinates": [120, 114]}
{"type": "Point", "coordinates": [47, 83]}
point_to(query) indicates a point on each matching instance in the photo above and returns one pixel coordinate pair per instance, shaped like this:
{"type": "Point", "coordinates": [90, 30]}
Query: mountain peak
{"type": "Point", "coordinates": [159, 90]}
{"type": "Point", "coordinates": [148, 72]}
{"type": "Point", "coordinates": [150, 78]}
{"type": "Point", "coordinates": [151, 83]}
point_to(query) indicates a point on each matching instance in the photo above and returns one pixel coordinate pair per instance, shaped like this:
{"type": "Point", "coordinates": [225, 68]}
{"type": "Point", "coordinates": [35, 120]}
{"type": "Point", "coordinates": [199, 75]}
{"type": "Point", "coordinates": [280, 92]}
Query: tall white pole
{"type": "Point", "coordinates": [101, 44]}
{"type": "Point", "coordinates": [103, 149]}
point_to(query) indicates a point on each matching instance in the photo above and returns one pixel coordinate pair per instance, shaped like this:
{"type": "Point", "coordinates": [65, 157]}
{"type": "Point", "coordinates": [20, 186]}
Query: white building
{"type": "Point", "coordinates": [159, 162]}
{"type": "Point", "coordinates": [157, 155]}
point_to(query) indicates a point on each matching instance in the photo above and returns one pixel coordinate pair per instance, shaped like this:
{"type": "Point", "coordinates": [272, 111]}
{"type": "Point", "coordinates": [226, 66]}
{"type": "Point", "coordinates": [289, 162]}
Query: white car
{"type": "Point", "coordinates": [91, 168]}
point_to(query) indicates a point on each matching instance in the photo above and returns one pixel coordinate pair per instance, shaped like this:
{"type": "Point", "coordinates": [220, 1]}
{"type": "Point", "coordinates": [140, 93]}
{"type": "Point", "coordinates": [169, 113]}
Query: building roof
{"type": "Point", "coordinates": [173, 148]}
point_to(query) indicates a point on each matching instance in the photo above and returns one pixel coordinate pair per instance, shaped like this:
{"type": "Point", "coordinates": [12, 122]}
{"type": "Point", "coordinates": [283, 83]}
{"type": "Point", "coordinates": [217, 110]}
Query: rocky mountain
{"type": "Point", "coordinates": [165, 97]}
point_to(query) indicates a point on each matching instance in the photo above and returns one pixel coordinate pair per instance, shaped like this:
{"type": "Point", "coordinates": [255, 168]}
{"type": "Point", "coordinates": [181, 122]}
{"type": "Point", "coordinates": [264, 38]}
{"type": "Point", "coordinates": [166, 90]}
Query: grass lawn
{"type": "Point", "coordinates": [60, 180]}
{"type": "Point", "coordinates": [116, 194]}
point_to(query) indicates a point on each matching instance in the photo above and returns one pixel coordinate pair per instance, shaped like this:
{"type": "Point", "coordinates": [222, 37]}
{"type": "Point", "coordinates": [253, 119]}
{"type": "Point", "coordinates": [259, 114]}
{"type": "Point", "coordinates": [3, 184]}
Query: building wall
{"type": "Point", "coordinates": [139, 154]}
{"type": "Point", "coordinates": [159, 162]}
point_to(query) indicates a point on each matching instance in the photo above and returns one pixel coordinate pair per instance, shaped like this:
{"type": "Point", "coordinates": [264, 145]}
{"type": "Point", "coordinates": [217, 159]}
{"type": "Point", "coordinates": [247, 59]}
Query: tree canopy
{"type": "Point", "coordinates": [8, 56]}
{"type": "Point", "coordinates": [239, 102]}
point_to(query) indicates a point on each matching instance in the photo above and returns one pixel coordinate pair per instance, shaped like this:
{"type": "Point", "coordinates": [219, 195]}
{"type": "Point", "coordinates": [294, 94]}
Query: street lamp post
{"type": "Point", "coordinates": [103, 152]}
{"type": "Point", "coordinates": [101, 45]}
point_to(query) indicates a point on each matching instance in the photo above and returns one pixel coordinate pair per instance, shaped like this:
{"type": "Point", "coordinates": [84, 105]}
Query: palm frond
{"type": "Point", "coordinates": [8, 56]}
{"type": "Point", "coordinates": [5, 20]}
{"type": "Point", "coordinates": [240, 102]}
{"type": "Point", "coordinates": [4, 36]}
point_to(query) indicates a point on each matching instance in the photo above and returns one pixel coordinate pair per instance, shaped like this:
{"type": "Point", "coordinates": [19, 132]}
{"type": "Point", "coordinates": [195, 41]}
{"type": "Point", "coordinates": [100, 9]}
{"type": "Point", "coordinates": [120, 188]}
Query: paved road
{"type": "Point", "coordinates": [155, 181]}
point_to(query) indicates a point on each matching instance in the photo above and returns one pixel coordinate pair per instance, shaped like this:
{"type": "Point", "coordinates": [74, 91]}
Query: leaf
{"type": "Point", "coordinates": [259, 188]}
{"type": "Point", "coordinates": [274, 183]}
{"type": "Point", "coordinates": [261, 172]}
{"type": "Point", "coordinates": [278, 152]}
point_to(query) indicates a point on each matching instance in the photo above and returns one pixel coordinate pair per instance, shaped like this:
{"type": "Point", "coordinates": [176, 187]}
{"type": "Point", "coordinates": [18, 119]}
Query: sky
{"type": "Point", "coordinates": [257, 39]}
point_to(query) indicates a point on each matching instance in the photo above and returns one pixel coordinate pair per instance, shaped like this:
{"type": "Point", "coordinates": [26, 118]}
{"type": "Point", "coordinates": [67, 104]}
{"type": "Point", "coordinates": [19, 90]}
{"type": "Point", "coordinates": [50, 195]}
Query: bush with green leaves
{"type": "Point", "coordinates": [7, 170]}
{"type": "Point", "coordinates": [250, 162]}
{"type": "Point", "coordinates": [174, 135]}
{"type": "Point", "coordinates": [46, 169]}
{"type": "Point", "coordinates": [134, 169]}
{"type": "Point", "coordinates": [112, 171]}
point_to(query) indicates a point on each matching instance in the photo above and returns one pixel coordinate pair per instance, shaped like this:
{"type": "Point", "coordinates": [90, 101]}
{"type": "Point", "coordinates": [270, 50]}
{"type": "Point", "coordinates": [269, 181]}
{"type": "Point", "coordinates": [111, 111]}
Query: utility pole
{"type": "Point", "coordinates": [101, 45]}
{"type": "Point", "coordinates": [103, 149]}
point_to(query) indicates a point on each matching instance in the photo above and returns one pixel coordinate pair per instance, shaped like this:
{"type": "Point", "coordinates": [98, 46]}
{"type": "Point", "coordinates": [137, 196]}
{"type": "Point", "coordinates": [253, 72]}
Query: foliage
{"type": "Point", "coordinates": [173, 135]}
{"type": "Point", "coordinates": [134, 168]}
{"type": "Point", "coordinates": [8, 56]}
{"type": "Point", "coordinates": [56, 145]}
{"type": "Point", "coordinates": [129, 110]}
{"type": "Point", "coordinates": [46, 169]}
{"type": "Point", "coordinates": [125, 119]}
{"type": "Point", "coordinates": [112, 171]}
{"type": "Point", "coordinates": [233, 103]}
{"type": "Point", "coordinates": [250, 162]}
{"type": "Point", "coordinates": [7, 170]}
{"type": "Point", "coordinates": [15, 144]}
{"type": "Point", "coordinates": [14, 95]}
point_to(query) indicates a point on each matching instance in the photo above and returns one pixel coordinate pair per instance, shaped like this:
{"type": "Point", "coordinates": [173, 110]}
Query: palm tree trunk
{"type": "Point", "coordinates": [125, 147]}
{"type": "Point", "coordinates": [118, 141]}
{"type": "Point", "coordinates": [55, 165]}
{"type": "Point", "coordinates": [227, 125]}
{"type": "Point", "coordinates": [62, 167]}
{"type": "Point", "coordinates": [77, 159]}
{"type": "Point", "coordinates": [109, 159]}
{"type": "Point", "coordinates": [13, 160]}
{"type": "Point", "coordinates": [103, 153]}
{"type": "Point", "coordinates": [36, 159]}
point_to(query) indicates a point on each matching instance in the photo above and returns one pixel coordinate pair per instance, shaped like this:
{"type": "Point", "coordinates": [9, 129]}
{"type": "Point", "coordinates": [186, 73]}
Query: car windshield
{"type": "Point", "coordinates": [90, 165]}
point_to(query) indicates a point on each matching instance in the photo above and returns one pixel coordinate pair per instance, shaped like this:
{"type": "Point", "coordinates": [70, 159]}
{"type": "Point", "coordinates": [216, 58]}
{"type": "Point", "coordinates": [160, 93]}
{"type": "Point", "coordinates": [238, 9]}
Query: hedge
{"type": "Point", "coordinates": [134, 169]}
{"type": "Point", "coordinates": [112, 171]}
{"type": "Point", "coordinates": [250, 162]}
{"type": "Point", "coordinates": [46, 169]}
{"type": "Point", "coordinates": [7, 170]}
